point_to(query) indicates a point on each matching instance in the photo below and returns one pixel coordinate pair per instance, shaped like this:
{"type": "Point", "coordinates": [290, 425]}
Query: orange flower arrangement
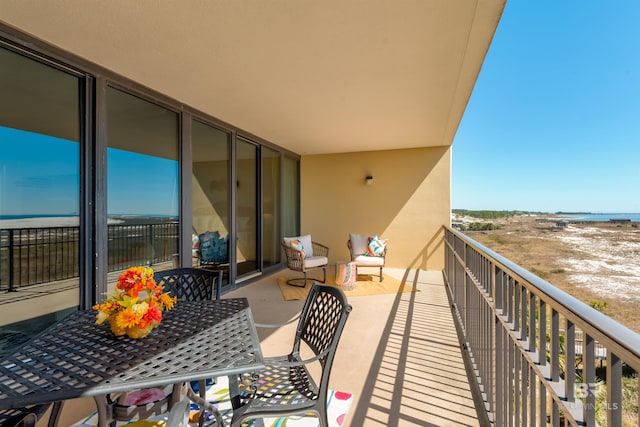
{"type": "Point", "coordinates": [137, 304]}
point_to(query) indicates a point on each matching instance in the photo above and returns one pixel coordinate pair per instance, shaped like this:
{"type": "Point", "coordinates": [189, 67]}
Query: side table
{"type": "Point", "coordinates": [346, 275]}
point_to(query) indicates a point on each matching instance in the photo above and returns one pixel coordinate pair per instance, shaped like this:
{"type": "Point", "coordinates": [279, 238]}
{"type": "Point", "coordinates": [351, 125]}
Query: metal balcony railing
{"type": "Point", "coordinates": [30, 256]}
{"type": "Point", "coordinates": [534, 349]}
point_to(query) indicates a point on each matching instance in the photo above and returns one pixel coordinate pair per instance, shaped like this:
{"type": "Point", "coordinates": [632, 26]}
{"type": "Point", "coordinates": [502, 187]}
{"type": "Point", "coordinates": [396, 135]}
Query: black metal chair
{"type": "Point", "coordinates": [29, 416]}
{"type": "Point", "coordinates": [191, 284]}
{"type": "Point", "coordinates": [287, 387]}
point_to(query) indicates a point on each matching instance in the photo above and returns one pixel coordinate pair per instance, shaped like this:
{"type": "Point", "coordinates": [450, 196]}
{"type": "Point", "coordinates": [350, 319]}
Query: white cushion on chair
{"type": "Point", "coordinates": [359, 243]}
{"type": "Point", "coordinates": [374, 261]}
{"type": "Point", "coordinates": [306, 243]}
{"type": "Point", "coordinates": [316, 261]}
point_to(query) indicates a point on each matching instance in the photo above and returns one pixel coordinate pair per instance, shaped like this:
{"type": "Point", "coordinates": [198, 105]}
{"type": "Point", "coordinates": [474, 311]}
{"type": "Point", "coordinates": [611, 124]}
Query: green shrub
{"type": "Point", "coordinates": [599, 305]}
{"type": "Point", "coordinates": [482, 226]}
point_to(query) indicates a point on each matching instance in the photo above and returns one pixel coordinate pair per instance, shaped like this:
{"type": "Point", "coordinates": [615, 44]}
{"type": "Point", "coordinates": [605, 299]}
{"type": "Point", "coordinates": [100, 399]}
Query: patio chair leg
{"type": "Point", "coordinates": [292, 282]}
{"type": "Point", "coordinates": [54, 417]}
{"type": "Point", "coordinates": [381, 278]}
{"type": "Point", "coordinates": [324, 271]}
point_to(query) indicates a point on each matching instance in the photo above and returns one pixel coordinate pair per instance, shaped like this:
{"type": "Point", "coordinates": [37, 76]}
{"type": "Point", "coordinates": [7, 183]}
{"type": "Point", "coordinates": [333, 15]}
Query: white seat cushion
{"type": "Point", "coordinates": [374, 261]}
{"type": "Point", "coordinates": [316, 261]}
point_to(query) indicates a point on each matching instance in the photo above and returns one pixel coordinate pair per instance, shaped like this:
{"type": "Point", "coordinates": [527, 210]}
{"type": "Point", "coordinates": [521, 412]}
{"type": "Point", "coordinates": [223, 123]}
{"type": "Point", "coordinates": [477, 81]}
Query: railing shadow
{"type": "Point", "coordinates": [417, 375]}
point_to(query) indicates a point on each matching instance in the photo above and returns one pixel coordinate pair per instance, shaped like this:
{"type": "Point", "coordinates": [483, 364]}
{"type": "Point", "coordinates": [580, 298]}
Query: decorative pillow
{"type": "Point", "coordinates": [358, 243]}
{"type": "Point", "coordinates": [298, 246]}
{"type": "Point", "coordinates": [306, 242]}
{"type": "Point", "coordinates": [144, 396]}
{"type": "Point", "coordinates": [376, 246]}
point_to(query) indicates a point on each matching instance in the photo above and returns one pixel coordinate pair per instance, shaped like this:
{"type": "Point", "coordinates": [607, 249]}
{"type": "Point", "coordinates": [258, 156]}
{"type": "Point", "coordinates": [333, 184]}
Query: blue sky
{"type": "Point", "coordinates": [553, 123]}
{"type": "Point", "coordinates": [32, 184]}
{"type": "Point", "coordinates": [39, 175]}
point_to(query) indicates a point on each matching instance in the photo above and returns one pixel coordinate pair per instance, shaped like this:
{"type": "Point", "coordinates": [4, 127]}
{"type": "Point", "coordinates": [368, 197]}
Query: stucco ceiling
{"type": "Point", "coordinates": [312, 76]}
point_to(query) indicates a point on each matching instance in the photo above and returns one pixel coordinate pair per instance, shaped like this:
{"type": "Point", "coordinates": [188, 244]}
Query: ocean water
{"type": "Point", "coordinates": [635, 217]}
{"type": "Point", "coordinates": [37, 216]}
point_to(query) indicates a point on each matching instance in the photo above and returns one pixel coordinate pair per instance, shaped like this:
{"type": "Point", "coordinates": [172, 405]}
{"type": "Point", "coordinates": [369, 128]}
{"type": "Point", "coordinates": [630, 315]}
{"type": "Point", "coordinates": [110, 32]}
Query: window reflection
{"type": "Point", "coordinates": [142, 183]}
{"type": "Point", "coordinates": [39, 196]}
{"type": "Point", "coordinates": [210, 198]}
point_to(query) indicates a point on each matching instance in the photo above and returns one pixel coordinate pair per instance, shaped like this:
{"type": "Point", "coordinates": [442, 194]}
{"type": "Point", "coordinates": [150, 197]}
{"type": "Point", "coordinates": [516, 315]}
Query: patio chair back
{"type": "Point", "coordinates": [287, 387]}
{"type": "Point", "coordinates": [191, 284]}
{"type": "Point", "coordinates": [321, 322]}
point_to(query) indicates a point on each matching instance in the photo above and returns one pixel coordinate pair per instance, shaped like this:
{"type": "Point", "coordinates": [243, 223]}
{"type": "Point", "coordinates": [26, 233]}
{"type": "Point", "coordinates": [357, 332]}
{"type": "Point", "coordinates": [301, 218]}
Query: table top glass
{"type": "Point", "coordinates": [76, 357]}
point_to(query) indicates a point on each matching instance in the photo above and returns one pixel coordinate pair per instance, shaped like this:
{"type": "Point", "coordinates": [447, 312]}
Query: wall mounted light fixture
{"type": "Point", "coordinates": [368, 179]}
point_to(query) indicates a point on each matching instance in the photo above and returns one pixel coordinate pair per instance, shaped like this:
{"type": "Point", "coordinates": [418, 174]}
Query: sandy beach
{"type": "Point", "coordinates": [594, 262]}
{"type": "Point", "coordinates": [608, 261]}
{"type": "Point", "coordinates": [47, 222]}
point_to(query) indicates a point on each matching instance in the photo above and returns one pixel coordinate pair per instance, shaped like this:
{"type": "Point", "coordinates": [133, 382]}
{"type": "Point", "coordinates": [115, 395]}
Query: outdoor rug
{"type": "Point", "coordinates": [218, 394]}
{"type": "Point", "coordinates": [366, 285]}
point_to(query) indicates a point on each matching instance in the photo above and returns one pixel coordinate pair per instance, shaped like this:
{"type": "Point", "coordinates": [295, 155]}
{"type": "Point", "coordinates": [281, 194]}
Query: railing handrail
{"type": "Point", "coordinates": [34, 255]}
{"type": "Point", "coordinates": [613, 335]}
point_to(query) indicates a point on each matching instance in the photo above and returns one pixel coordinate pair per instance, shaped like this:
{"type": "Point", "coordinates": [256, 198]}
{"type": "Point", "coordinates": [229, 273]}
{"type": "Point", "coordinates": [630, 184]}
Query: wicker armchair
{"type": "Point", "coordinates": [287, 387]}
{"type": "Point", "coordinates": [312, 257]}
{"type": "Point", "coordinates": [358, 244]}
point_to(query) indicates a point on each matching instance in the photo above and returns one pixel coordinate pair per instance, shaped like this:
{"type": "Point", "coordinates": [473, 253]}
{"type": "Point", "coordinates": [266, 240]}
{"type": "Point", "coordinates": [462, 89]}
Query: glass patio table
{"type": "Point", "coordinates": [77, 358]}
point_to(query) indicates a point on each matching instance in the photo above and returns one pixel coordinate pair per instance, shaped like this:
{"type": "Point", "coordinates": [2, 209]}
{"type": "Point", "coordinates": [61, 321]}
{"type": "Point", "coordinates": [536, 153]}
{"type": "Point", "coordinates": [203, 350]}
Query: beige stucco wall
{"type": "Point", "coordinates": [407, 203]}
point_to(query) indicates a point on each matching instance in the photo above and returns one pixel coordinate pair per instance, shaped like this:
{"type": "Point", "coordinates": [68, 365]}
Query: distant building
{"type": "Point", "coordinates": [620, 220]}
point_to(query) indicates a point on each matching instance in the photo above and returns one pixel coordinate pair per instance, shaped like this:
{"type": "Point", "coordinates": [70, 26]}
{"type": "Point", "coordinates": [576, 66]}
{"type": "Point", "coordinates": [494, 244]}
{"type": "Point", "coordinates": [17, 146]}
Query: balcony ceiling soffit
{"type": "Point", "coordinates": [313, 77]}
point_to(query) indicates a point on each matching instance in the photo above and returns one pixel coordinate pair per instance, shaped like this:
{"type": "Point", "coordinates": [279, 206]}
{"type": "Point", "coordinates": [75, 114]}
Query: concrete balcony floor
{"type": "Point", "coordinates": [399, 353]}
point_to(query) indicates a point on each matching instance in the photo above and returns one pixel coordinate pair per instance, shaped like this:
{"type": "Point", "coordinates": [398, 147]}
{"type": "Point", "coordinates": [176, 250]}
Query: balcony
{"type": "Point", "coordinates": [390, 111]}
{"type": "Point", "coordinates": [466, 349]}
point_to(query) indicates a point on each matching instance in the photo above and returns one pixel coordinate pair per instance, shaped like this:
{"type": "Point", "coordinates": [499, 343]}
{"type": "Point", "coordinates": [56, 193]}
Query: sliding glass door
{"type": "Point", "coordinates": [40, 142]}
{"type": "Point", "coordinates": [142, 183]}
{"type": "Point", "coordinates": [210, 197]}
{"type": "Point", "coordinates": [246, 207]}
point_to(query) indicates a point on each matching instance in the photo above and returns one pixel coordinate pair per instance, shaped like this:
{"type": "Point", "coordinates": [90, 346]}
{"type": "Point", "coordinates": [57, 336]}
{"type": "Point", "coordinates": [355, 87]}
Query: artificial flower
{"type": "Point", "coordinates": [137, 301]}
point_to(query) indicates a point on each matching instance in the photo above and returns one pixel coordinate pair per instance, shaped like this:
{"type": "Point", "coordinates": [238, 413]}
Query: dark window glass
{"type": "Point", "coordinates": [290, 196]}
{"type": "Point", "coordinates": [210, 197]}
{"type": "Point", "coordinates": [270, 207]}
{"type": "Point", "coordinates": [39, 196]}
{"type": "Point", "coordinates": [247, 213]}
